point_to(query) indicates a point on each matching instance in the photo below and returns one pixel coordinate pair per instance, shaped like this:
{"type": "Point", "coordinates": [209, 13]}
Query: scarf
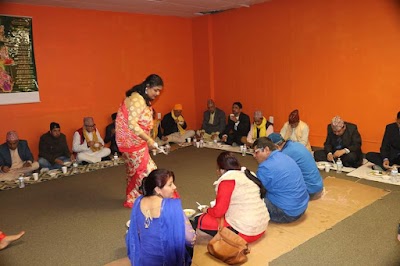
{"type": "Point", "coordinates": [95, 139]}
{"type": "Point", "coordinates": [261, 129]}
{"type": "Point", "coordinates": [180, 119]}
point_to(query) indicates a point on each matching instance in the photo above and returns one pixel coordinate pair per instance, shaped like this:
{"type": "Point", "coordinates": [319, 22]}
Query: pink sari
{"type": "Point", "coordinates": [138, 165]}
{"type": "Point", "coordinates": [135, 150]}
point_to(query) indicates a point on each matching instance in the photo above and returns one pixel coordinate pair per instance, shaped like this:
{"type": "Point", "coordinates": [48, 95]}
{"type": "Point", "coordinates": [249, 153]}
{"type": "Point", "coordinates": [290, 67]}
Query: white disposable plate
{"type": "Point", "coordinates": [189, 212]}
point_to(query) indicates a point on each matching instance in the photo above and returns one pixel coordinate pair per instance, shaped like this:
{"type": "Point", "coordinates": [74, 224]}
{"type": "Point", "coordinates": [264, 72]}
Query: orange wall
{"type": "Point", "coordinates": [322, 57]}
{"type": "Point", "coordinates": [325, 58]}
{"type": "Point", "coordinates": [86, 60]}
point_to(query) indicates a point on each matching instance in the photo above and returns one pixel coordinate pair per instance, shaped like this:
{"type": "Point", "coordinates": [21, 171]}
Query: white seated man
{"type": "Point", "coordinates": [15, 157]}
{"type": "Point", "coordinates": [88, 144]}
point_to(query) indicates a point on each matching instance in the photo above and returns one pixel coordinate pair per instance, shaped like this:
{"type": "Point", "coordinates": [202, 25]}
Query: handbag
{"type": "Point", "coordinates": [228, 246]}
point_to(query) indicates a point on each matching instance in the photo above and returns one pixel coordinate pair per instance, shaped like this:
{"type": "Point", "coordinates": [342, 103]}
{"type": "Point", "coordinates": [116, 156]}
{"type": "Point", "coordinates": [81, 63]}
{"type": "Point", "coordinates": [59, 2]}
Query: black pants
{"type": "Point", "coordinates": [376, 158]}
{"type": "Point", "coordinates": [351, 159]}
{"type": "Point", "coordinates": [234, 137]}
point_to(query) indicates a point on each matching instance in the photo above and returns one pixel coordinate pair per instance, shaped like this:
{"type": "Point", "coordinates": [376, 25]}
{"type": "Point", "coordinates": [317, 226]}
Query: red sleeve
{"type": "Point", "coordinates": [223, 199]}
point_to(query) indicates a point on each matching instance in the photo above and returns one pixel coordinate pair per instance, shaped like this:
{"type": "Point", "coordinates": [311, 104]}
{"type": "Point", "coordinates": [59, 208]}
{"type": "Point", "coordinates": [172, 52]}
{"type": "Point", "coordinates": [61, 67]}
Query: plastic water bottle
{"type": "Point", "coordinates": [393, 174]}
{"type": "Point", "coordinates": [21, 182]}
{"type": "Point", "coordinates": [74, 167]}
{"type": "Point", "coordinates": [339, 166]}
{"type": "Point", "coordinates": [115, 158]}
{"type": "Point", "coordinates": [244, 150]}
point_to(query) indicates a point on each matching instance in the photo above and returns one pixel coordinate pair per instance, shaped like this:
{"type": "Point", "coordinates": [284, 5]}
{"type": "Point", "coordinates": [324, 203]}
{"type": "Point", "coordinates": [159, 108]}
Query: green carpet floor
{"type": "Point", "coordinates": [79, 220]}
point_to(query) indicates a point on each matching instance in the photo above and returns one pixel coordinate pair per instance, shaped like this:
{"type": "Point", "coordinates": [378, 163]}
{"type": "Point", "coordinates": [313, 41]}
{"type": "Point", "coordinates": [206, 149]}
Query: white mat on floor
{"type": "Point", "coordinates": [366, 172]}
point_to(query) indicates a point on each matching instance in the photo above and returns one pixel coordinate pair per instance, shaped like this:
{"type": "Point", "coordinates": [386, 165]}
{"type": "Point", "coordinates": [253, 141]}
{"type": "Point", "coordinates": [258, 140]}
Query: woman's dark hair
{"type": "Point", "coordinates": [151, 81]}
{"type": "Point", "coordinates": [227, 161]}
{"type": "Point", "coordinates": [157, 178]}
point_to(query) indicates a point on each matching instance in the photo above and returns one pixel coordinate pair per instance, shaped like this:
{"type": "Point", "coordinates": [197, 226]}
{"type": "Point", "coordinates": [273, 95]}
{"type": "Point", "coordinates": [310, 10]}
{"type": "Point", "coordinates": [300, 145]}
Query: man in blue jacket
{"type": "Point", "coordinates": [15, 157]}
{"type": "Point", "coordinates": [287, 197]}
{"type": "Point", "coordinates": [304, 159]}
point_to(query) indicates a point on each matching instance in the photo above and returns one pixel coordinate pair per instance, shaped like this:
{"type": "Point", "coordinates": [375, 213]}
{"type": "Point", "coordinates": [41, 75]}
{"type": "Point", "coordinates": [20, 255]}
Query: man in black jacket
{"type": "Point", "coordinates": [343, 141]}
{"type": "Point", "coordinates": [237, 127]}
{"type": "Point", "coordinates": [174, 126]}
{"type": "Point", "coordinates": [53, 148]}
{"type": "Point", "coordinates": [390, 148]}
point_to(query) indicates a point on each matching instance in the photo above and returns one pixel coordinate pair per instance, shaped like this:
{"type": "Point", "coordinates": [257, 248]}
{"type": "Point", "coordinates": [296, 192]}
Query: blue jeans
{"type": "Point", "coordinates": [277, 215]}
{"type": "Point", "coordinates": [46, 164]}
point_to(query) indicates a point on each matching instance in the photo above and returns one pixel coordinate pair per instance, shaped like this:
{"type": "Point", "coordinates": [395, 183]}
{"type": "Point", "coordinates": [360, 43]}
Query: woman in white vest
{"type": "Point", "coordinates": [239, 200]}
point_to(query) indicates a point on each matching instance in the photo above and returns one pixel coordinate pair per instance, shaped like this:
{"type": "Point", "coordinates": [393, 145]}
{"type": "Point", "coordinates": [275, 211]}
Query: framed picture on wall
{"type": "Point", "coordinates": [18, 79]}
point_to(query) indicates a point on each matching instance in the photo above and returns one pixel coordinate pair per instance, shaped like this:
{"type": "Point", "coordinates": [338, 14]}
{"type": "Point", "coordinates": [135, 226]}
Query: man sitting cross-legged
{"type": "Point", "coordinates": [304, 159]}
{"type": "Point", "coordinates": [238, 126]}
{"type": "Point", "coordinates": [213, 122]}
{"type": "Point", "coordinates": [53, 148]}
{"type": "Point", "coordinates": [260, 128]}
{"type": "Point", "coordinates": [15, 157]}
{"type": "Point", "coordinates": [343, 141]}
{"type": "Point", "coordinates": [287, 197]}
{"type": "Point", "coordinates": [390, 148]}
{"type": "Point", "coordinates": [88, 144]}
{"type": "Point", "coordinates": [174, 126]}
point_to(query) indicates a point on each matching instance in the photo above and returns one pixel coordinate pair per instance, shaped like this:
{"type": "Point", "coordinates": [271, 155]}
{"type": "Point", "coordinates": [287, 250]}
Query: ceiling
{"type": "Point", "coordinates": [180, 8]}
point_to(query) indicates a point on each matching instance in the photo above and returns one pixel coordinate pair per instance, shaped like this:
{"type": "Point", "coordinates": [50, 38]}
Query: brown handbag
{"type": "Point", "coordinates": [228, 246]}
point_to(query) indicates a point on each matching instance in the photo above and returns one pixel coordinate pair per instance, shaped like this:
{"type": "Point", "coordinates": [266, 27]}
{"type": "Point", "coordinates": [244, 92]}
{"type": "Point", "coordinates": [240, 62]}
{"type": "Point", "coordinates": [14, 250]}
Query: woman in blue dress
{"type": "Point", "coordinates": [159, 232]}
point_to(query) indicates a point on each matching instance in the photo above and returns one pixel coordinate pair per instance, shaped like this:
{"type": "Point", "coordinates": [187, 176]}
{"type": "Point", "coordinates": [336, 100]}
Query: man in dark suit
{"type": "Point", "coordinates": [237, 127]}
{"type": "Point", "coordinates": [343, 141]}
{"type": "Point", "coordinates": [390, 148]}
{"type": "Point", "coordinates": [213, 122]}
{"type": "Point", "coordinates": [110, 136]}
{"type": "Point", "coordinates": [15, 157]}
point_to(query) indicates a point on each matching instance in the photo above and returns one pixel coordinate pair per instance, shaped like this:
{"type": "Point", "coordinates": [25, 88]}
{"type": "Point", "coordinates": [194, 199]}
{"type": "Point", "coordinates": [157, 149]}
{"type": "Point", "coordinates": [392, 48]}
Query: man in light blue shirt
{"type": "Point", "coordinates": [304, 160]}
{"type": "Point", "coordinates": [287, 197]}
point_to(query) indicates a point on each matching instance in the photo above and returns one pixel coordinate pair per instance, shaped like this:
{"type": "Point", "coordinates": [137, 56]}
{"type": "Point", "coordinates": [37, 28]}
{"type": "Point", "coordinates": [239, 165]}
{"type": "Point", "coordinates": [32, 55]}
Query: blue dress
{"type": "Point", "coordinates": [162, 243]}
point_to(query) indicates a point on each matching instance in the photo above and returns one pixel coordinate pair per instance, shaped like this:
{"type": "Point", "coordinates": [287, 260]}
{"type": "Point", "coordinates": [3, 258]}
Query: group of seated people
{"type": "Point", "coordinates": [87, 147]}
{"type": "Point", "coordinates": [287, 178]}
{"type": "Point", "coordinates": [343, 139]}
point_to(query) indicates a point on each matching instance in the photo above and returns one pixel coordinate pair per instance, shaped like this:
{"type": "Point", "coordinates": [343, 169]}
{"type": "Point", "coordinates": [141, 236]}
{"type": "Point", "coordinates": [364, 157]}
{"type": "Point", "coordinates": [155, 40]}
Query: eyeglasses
{"type": "Point", "coordinates": [90, 125]}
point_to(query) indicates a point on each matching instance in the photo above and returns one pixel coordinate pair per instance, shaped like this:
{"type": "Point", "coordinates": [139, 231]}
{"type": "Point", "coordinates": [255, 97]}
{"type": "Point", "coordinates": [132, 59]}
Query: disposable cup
{"type": "Point", "coordinates": [198, 144]}
{"type": "Point", "coordinates": [189, 140]}
{"type": "Point", "coordinates": [327, 168]}
{"type": "Point", "coordinates": [35, 176]}
{"type": "Point", "coordinates": [64, 169]}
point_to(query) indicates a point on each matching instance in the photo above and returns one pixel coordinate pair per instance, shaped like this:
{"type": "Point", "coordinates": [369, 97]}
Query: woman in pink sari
{"type": "Point", "coordinates": [132, 126]}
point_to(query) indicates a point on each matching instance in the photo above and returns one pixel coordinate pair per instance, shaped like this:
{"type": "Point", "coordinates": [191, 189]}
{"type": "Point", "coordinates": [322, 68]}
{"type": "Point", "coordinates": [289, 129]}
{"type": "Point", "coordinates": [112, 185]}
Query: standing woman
{"type": "Point", "coordinates": [159, 232]}
{"type": "Point", "coordinates": [133, 124]}
{"type": "Point", "coordinates": [239, 200]}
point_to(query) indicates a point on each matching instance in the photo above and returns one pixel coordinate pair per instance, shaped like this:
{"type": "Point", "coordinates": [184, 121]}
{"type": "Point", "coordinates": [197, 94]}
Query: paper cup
{"type": "Point", "coordinates": [189, 140]}
{"type": "Point", "coordinates": [154, 152]}
{"type": "Point", "coordinates": [64, 169]}
{"type": "Point", "coordinates": [198, 144]}
{"type": "Point", "coordinates": [327, 168]}
{"type": "Point", "coordinates": [35, 176]}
